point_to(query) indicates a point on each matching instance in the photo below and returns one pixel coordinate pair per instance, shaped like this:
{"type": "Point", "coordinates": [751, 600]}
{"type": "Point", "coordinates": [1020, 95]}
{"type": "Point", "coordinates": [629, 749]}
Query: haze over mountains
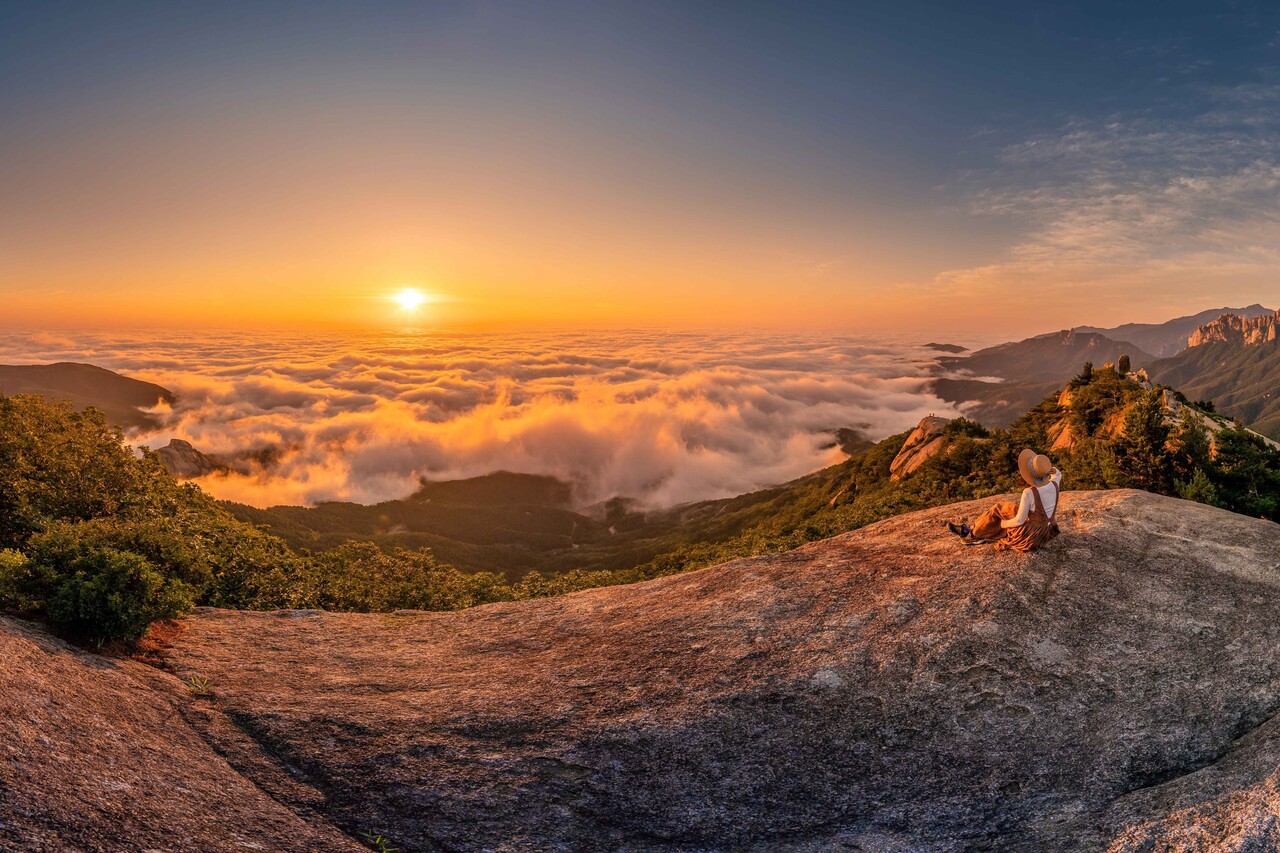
{"type": "Point", "coordinates": [513, 522]}
{"type": "Point", "coordinates": [661, 417]}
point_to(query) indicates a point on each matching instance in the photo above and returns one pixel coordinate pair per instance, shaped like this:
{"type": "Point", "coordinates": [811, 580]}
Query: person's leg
{"type": "Point", "coordinates": [988, 524]}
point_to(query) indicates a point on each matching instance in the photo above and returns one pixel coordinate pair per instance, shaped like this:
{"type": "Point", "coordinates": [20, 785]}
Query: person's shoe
{"type": "Point", "coordinates": [970, 539]}
{"type": "Point", "coordinates": [962, 530]}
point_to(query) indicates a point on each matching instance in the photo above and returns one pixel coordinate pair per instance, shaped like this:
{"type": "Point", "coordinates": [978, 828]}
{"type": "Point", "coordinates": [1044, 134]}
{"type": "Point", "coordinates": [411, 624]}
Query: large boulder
{"type": "Point", "coordinates": [884, 690]}
{"type": "Point", "coordinates": [184, 461]}
{"type": "Point", "coordinates": [924, 442]}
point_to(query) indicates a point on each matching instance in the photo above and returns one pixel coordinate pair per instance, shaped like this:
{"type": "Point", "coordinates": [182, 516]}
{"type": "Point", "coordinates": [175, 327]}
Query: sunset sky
{"type": "Point", "coordinates": [904, 166]}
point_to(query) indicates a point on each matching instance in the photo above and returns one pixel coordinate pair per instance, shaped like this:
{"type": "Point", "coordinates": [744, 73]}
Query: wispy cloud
{"type": "Point", "coordinates": [1134, 204]}
{"type": "Point", "coordinates": [664, 418]}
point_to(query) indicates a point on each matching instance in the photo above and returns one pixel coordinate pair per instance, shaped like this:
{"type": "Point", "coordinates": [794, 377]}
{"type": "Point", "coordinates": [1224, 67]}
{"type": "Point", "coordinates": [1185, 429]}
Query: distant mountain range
{"type": "Point", "coordinates": [1167, 339]}
{"type": "Point", "coordinates": [1234, 361]}
{"type": "Point", "coordinates": [1221, 354]}
{"type": "Point", "coordinates": [999, 383]}
{"type": "Point", "coordinates": [119, 397]}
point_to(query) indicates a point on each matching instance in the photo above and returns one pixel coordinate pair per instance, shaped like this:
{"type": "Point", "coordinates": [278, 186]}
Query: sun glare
{"type": "Point", "coordinates": [410, 299]}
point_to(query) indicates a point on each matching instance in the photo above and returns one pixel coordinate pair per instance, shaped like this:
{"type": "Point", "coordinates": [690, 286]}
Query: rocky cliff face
{"type": "Point", "coordinates": [1237, 330]}
{"type": "Point", "coordinates": [888, 690]}
{"type": "Point", "coordinates": [1167, 339]}
{"type": "Point", "coordinates": [925, 441]}
{"type": "Point", "coordinates": [184, 461]}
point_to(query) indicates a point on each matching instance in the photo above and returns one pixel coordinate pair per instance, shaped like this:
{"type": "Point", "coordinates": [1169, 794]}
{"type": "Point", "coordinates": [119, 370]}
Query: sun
{"type": "Point", "coordinates": [410, 299]}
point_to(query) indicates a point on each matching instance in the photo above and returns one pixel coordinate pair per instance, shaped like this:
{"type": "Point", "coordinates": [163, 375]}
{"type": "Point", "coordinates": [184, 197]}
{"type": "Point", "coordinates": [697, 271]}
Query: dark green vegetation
{"type": "Point", "coordinates": [118, 397]}
{"type": "Point", "coordinates": [512, 523]}
{"type": "Point", "coordinates": [100, 542]}
{"type": "Point", "coordinates": [1241, 380]}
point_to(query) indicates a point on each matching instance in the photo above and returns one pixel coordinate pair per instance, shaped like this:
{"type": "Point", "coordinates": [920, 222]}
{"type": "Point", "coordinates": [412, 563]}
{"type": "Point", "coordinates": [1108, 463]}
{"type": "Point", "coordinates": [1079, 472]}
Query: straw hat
{"type": "Point", "coordinates": [1036, 469]}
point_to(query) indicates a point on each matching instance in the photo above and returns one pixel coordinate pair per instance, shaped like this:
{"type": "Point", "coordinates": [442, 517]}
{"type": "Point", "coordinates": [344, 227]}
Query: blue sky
{"type": "Point", "coordinates": [1115, 160]}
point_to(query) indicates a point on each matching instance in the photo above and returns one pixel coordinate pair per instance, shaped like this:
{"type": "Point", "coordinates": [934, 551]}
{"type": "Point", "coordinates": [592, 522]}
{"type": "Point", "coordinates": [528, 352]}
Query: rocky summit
{"type": "Point", "coordinates": [885, 690]}
{"type": "Point", "coordinates": [184, 461]}
{"type": "Point", "coordinates": [1234, 329]}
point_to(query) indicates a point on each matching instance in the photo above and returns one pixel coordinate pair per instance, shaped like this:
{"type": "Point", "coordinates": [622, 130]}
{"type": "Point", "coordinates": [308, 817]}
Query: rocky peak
{"type": "Point", "coordinates": [924, 442]}
{"type": "Point", "coordinates": [1237, 330]}
{"type": "Point", "coordinates": [184, 461]}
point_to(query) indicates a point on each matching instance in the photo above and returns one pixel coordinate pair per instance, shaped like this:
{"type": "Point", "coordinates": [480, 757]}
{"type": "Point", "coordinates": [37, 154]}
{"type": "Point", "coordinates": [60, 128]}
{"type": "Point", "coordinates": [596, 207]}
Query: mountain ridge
{"type": "Point", "coordinates": [120, 397]}
{"type": "Point", "coordinates": [1235, 362]}
{"type": "Point", "coordinates": [1026, 371]}
{"type": "Point", "coordinates": [1171, 337]}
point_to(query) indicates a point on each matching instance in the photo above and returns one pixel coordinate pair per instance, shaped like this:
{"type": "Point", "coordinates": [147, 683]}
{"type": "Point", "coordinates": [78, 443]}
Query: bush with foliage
{"type": "Point", "coordinates": [108, 540]}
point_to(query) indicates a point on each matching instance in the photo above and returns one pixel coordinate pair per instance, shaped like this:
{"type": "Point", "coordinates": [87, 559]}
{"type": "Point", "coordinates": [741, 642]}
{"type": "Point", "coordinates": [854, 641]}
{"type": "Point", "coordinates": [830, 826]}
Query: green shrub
{"type": "Point", "coordinates": [57, 463]}
{"type": "Point", "coordinates": [362, 577]}
{"type": "Point", "coordinates": [1200, 488]}
{"type": "Point", "coordinates": [13, 568]}
{"type": "Point", "coordinates": [103, 594]}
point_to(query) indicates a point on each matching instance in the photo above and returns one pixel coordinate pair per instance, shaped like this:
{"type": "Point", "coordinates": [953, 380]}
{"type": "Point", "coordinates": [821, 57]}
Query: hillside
{"type": "Point", "coordinates": [999, 383]}
{"type": "Point", "coordinates": [1235, 362]}
{"type": "Point", "coordinates": [1167, 339]}
{"type": "Point", "coordinates": [1046, 358]}
{"type": "Point", "coordinates": [118, 397]}
{"type": "Point", "coordinates": [887, 689]}
{"type": "Point", "coordinates": [517, 522]}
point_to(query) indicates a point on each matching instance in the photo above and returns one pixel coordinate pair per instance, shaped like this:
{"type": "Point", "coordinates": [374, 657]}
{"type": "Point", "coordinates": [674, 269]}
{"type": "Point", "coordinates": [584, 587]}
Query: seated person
{"type": "Point", "coordinates": [1026, 525]}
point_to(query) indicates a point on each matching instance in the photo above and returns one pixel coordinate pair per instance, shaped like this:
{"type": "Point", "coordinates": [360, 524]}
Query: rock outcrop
{"type": "Point", "coordinates": [1235, 362]}
{"type": "Point", "coordinates": [927, 440]}
{"type": "Point", "coordinates": [888, 689]}
{"type": "Point", "coordinates": [1167, 339]}
{"type": "Point", "coordinates": [184, 461]}
{"type": "Point", "coordinates": [1237, 330]}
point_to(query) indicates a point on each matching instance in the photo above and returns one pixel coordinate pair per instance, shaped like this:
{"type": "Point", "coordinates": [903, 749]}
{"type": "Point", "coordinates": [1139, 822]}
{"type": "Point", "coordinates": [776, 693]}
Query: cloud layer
{"type": "Point", "coordinates": [660, 417]}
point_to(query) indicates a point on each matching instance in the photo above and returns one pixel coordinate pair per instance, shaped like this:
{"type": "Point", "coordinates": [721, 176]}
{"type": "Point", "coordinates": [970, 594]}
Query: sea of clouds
{"type": "Point", "coordinates": [660, 417]}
